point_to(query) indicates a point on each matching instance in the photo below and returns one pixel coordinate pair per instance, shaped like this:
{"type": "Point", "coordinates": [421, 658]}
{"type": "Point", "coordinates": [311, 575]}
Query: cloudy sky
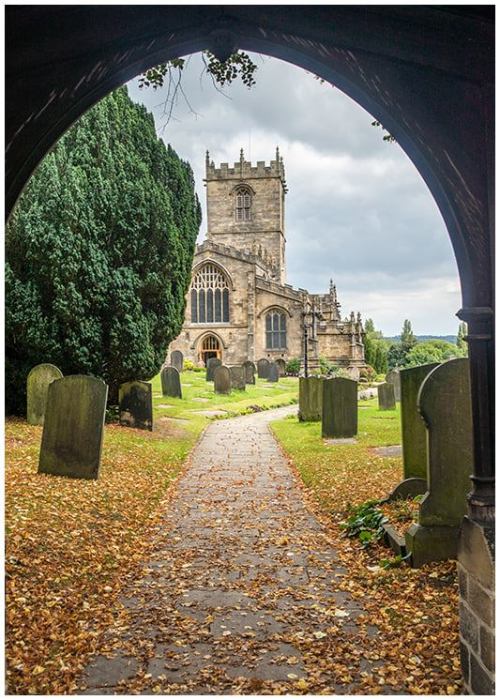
{"type": "Point", "coordinates": [357, 210]}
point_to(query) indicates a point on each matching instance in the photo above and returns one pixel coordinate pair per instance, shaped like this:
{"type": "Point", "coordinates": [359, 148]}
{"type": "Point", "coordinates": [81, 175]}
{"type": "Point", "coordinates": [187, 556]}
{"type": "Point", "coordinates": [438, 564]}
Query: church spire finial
{"type": "Point", "coordinates": [207, 159]}
{"type": "Point", "coordinates": [242, 157]}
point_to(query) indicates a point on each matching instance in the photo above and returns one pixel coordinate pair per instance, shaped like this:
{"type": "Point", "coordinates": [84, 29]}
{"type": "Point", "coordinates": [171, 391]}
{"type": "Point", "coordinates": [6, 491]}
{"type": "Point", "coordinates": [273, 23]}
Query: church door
{"type": "Point", "coordinates": [210, 347]}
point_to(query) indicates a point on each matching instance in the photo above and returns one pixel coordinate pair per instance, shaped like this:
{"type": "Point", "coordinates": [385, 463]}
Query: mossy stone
{"type": "Point", "coordinates": [250, 370]}
{"type": "Point", "coordinates": [222, 380]}
{"type": "Point", "coordinates": [237, 374]}
{"type": "Point", "coordinates": [386, 397]}
{"type": "Point", "coordinates": [177, 360]}
{"type": "Point", "coordinates": [263, 368]}
{"type": "Point", "coordinates": [37, 386]}
{"type": "Point", "coordinates": [310, 398]}
{"type": "Point", "coordinates": [136, 405]}
{"type": "Point", "coordinates": [339, 408]}
{"type": "Point", "coordinates": [212, 364]}
{"type": "Point", "coordinates": [273, 374]}
{"type": "Point", "coordinates": [171, 383]}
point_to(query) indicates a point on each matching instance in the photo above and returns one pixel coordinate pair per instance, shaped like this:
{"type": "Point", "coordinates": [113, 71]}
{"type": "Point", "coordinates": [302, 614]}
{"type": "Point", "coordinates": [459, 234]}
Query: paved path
{"type": "Point", "coordinates": [243, 587]}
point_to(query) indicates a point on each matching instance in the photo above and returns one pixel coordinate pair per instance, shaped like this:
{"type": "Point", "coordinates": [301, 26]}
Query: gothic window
{"type": "Point", "coordinates": [275, 330]}
{"type": "Point", "coordinates": [243, 204]}
{"type": "Point", "coordinates": [209, 296]}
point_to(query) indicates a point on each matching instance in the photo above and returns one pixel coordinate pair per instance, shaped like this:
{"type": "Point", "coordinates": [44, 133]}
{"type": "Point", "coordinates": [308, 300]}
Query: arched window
{"type": "Point", "coordinates": [275, 330]}
{"type": "Point", "coordinates": [243, 204]}
{"type": "Point", "coordinates": [209, 296]}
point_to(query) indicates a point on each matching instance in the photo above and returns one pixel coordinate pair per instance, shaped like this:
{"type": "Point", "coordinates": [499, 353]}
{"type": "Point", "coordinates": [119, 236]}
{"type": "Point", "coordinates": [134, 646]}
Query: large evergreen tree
{"type": "Point", "coordinates": [99, 252]}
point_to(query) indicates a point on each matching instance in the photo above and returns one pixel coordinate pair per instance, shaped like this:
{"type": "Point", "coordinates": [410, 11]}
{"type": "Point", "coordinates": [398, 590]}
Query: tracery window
{"type": "Point", "coordinates": [243, 204]}
{"type": "Point", "coordinates": [275, 330]}
{"type": "Point", "coordinates": [209, 296]}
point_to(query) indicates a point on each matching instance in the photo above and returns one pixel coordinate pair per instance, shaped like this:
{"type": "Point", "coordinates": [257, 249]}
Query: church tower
{"type": "Point", "coordinates": [246, 208]}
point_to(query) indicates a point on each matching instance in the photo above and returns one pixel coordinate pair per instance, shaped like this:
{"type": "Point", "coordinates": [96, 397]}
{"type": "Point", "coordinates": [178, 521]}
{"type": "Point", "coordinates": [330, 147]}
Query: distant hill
{"type": "Point", "coordinates": [424, 338]}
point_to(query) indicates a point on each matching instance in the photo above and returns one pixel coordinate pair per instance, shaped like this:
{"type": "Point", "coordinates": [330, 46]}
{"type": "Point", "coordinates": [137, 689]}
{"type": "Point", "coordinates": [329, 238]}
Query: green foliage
{"type": "Point", "coordinates": [375, 348]}
{"type": "Point", "coordinates": [432, 351]}
{"type": "Point", "coordinates": [461, 336]}
{"type": "Point", "coordinates": [365, 522]}
{"type": "Point", "coordinates": [99, 252]}
{"type": "Point", "coordinates": [394, 562]}
{"type": "Point", "coordinates": [329, 369]}
{"type": "Point", "coordinates": [191, 367]}
{"type": "Point", "coordinates": [293, 366]}
{"type": "Point", "coordinates": [408, 339]}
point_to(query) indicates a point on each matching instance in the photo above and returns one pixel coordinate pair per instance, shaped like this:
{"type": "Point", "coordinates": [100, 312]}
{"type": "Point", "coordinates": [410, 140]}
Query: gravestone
{"type": "Point", "coordinates": [250, 370]}
{"type": "Point", "coordinates": [393, 377]}
{"type": "Point", "coordinates": [212, 364]}
{"type": "Point", "coordinates": [444, 403]}
{"type": "Point", "coordinates": [353, 373]}
{"type": "Point", "coordinates": [237, 374]}
{"type": "Point", "coordinates": [273, 374]}
{"type": "Point", "coordinates": [222, 380]}
{"type": "Point", "coordinates": [171, 382]}
{"type": "Point", "coordinates": [386, 397]}
{"type": "Point", "coordinates": [281, 366]}
{"type": "Point", "coordinates": [73, 428]}
{"type": "Point", "coordinates": [177, 360]}
{"type": "Point", "coordinates": [263, 368]}
{"type": "Point", "coordinates": [339, 416]}
{"type": "Point", "coordinates": [37, 386]}
{"type": "Point", "coordinates": [413, 434]}
{"type": "Point", "coordinates": [310, 398]}
{"type": "Point", "coordinates": [136, 405]}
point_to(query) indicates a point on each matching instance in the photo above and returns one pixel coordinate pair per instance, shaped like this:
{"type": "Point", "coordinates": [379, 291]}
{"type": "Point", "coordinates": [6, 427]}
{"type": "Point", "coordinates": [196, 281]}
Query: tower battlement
{"type": "Point", "coordinates": [245, 170]}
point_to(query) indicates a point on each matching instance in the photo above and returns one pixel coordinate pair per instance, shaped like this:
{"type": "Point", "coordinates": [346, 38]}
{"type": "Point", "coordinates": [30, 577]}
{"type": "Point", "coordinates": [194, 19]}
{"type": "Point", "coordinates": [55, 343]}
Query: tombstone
{"type": "Point", "coordinates": [263, 368]}
{"type": "Point", "coordinates": [353, 373]}
{"type": "Point", "coordinates": [393, 377]}
{"type": "Point", "coordinates": [37, 386]}
{"type": "Point", "coordinates": [222, 380]}
{"type": "Point", "coordinates": [339, 415]}
{"type": "Point", "coordinates": [310, 398]}
{"type": "Point", "coordinates": [177, 360]}
{"type": "Point", "coordinates": [413, 434]}
{"type": "Point", "coordinates": [273, 374]}
{"type": "Point", "coordinates": [212, 364]}
{"type": "Point", "coordinates": [281, 366]}
{"type": "Point", "coordinates": [136, 405]}
{"type": "Point", "coordinates": [444, 402]}
{"type": "Point", "coordinates": [73, 428]}
{"type": "Point", "coordinates": [386, 397]}
{"type": "Point", "coordinates": [171, 382]}
{"type": "Point", "coordinates": [250, 370]}
{"type": "Point", "coordinates": [237, 374]}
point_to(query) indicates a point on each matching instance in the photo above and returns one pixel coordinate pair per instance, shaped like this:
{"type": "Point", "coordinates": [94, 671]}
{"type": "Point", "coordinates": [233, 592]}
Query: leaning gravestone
{"type": "Point", "coordinates": [281, 366]}
{"type": "Point", "coordinates": [413, 434]}
{"type": "Point", "coordinates": [263, 368]}
{"type": "Point", "coordinates": [310, 398]}
{"type": "Point", "coordinates": [172, 383]}
{"type": "Point", "coordinates": [386, 397]}
{"type": "Point", "coordinates": [237, 374]}
{"type": "Point", "coordinates": [444, 403]}
{"type": "Point", "coordinates": [136, 405]}
{"type": "Point", "coordinates": [212, 364]}
{"type": "Point", "coordinates": [222, 380]}
{"type": "Point", "coordinates": [37, 386]}
{"type": "Point", "coordinates": [250, 370]}
{"type": "Point", "coordinates": [393, 377]}
{"type": "Point", "coordinates": [273, 374]}
{"type": "Point", "coordinates": [73, 427]}
{"type": "Point", "coordinates": [177, 360]}
{"type": "Point", "coordinates": [340, 408]}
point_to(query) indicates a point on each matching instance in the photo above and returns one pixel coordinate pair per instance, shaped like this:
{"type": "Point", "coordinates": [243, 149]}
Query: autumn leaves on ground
{"type": "Point", "coordinates": [71, 545]}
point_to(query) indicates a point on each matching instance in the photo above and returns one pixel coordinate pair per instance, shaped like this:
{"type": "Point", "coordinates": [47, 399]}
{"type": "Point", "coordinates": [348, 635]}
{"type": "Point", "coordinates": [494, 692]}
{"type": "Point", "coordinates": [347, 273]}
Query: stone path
{"type": "Point", "coordinates": [241, 588]}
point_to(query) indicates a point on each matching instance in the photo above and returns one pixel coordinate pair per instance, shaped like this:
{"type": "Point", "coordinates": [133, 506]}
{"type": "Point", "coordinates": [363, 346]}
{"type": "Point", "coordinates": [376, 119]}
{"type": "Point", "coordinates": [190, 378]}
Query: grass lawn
{"type": "Point", "coordinates": [70, 544]}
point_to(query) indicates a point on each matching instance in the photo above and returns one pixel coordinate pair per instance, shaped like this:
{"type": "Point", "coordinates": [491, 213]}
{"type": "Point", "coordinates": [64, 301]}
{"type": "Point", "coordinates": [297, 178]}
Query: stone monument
{"type": "Point", "coordinates": [171, 383]}
{"type": "Point", "coordinates": [237, 374]}
{"type": "Point", "coordinates": [37, 386]}
{"type": "Point", "coordinates": [281, 366]}
{"type": "Point", "coordinates": [393, 377]}
{"type": "Point", "coordinates": [263, 368]}
{"type": "Point", "coordinates": [310, 398]}
{"type": "Point", "coordinates": [339, 408]}
{"type": "Point", "coordinates": [273, 373]}
{"type": "Point", "coordinates": [177, 360]}
{"type": "Point", "coordinates": [136, 405]}
{"type": "Point", "coordinates": [212, 364]}
{"type": "Point", "coordinates": [222, 380]}
{"type": "Point", "coordinates": [250, 370]}
{"type": "Point", "coordinates": [386, 397]}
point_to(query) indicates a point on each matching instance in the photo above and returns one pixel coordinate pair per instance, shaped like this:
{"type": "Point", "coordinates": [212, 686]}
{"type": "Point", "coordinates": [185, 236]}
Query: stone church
{"type": "Point", "coordinates": [239, 305]}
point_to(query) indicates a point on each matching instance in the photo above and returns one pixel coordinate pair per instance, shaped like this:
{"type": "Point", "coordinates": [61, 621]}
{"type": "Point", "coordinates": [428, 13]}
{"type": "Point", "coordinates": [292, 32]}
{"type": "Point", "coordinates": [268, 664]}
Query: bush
{"type": "Point", "coordinates": [293, 366]}
{"type": "Point", "coordinates": [191, 367]}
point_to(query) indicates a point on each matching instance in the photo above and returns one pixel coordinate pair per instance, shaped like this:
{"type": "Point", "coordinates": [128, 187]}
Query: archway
{"type": "Point", "coordinates": [209, 347]}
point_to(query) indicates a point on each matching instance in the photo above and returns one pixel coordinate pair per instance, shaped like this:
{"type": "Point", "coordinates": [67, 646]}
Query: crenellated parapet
{"type": "Point", "coordinates": [245, 170]}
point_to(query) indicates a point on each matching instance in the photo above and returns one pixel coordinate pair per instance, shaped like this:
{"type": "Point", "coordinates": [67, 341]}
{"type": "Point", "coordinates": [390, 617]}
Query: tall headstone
{"type": "Point", "coordinates": [273, 373]}
{"type": "Point", "coordinates": [37, 386]}
{"type": "Point", "coordinates": [212, 364]}
{"type": "Point", "coordinates": [177, 360]}
{"type": "Point", "coordinates": [237, 374]}
{"type": "Point", "coordinates": [444, 403]}
{"type": "Point", "coordinates": [250, 370]}
{"type": "Point", "coordinates": [136, 405]}
{"type": "Point", "coordinates": [393, 377]}
{"type": "Point", "coordinates": [73, 428]}
{"type": "Point", "coordinates": [310, 398]}
{"type": "Point", "coordinates": [263, 368]}
{"type": "Point", "coordinates": [340, 408]}
{"type": "Point", "coordinates": [172, 386]}
{"type": "Point", "coordinates": [281, 366]}
{"type": "Point", "coordinates": [222, 380]}
{"type": "Point", "coordinates": [386, 397]}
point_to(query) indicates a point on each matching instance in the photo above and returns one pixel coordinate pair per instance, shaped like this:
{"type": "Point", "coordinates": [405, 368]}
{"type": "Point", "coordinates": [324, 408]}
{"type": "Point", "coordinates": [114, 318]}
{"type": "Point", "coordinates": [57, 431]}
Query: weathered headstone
{"type": "Point", "coordinates": [353, 372]}
{"type": "Point", "coordinates": [386, 397]}
{"type": "Point", "coordinates": [237, 374]}
{"type": "Point", "coordinates": [177, 360]}
{"type": "Point", "coordinates": [73, 427]}
{"type": "Point", "coordinates": [339, 408]}
{"type": "Point", "coordinates": [222, 380]}
{"type": "Point", "coordinates": [136, 405]}
{"type": "Point", "coordinates": [37, 386]}
{"type": "Point", "coordinates": [310, 398]}
{"type": "Point", "coordinates": [273, 373]}
{"type": "Point", "coordinates": [250, 370]}
{"type": "Point", "coordinates": [171, 382]}
{"type": "Point", "coordinates": [263, 368]}
{"type": "Point", "coordinates": [444, 403]}
{"type": "Point", "coordinates": [281, 366]}
{"type": "Point", "coordinates": [212, 364]}
{"type": "Point", "coordinates": [393, 377]}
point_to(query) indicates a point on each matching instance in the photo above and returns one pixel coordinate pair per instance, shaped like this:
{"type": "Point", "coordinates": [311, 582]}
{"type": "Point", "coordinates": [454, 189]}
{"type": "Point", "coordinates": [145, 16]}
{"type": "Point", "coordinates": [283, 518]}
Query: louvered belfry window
{"type": "Point", "coordinates": [275, 330]}
{"type": "Point", "coordinates": [209, 296]}
{"type": "Point", "coordinates": [243, 204]}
